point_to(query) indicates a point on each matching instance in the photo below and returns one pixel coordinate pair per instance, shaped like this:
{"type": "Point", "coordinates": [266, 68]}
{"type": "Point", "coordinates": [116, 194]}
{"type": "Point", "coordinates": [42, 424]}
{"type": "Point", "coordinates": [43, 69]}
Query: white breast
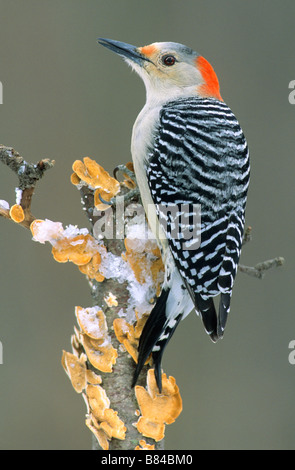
{"type": "Point", "coordinates": [143, 135]}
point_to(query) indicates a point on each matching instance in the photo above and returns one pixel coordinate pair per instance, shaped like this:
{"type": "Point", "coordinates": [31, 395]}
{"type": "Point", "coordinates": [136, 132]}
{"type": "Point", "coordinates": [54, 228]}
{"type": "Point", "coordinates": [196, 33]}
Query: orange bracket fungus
{"type": "Point", "coordinates": [103, 421]}
{"type": "Point", "coordinates": [76, 370]}
{"type": "Point", "coordinates": [95, 339]}
{"type": "Point", "coordinates": [17, 213]}
{"type": "Point", "coordinates": [102, 357]}
{"type": "Point", "coordinates": [91, 174]}
{"type": "Point", "coordinates": [157, 409]}
{"type": "Point", "coordinates": [144, 446]}
{"type": "Point", "coordinates": [71, 244]}
{"type": "Point", "coordinates": [128, 335]}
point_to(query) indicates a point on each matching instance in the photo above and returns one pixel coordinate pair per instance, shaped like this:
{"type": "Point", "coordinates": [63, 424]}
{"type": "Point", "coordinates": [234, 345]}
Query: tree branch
{"type": "Point", "coordinates": [117, 385]}
{"type": "Point", "coordinates": [28, 175]}
{"type": "Point", "coordinates": [259, 269]}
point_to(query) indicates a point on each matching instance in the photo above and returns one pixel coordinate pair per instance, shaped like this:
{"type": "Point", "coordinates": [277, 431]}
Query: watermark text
{"type": "Point", "coordinates": [292, 94]}
{"type": "Point", "coordinates": [291, 357]}
{"type": "Point", "coordinates": [179, 222]}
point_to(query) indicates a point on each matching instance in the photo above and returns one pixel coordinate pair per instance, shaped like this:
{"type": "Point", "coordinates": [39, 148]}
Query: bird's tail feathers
{"type": "Point", "coordinates": [151, 332]}
{"type": "Point", "coordinates": [214, 324]}
{"type": "Point", "coordinates": [157, 332]}
{"type": "Point", "coordinates": [206, 310]}
{"type": "Point", "coordinates": [224, 308]}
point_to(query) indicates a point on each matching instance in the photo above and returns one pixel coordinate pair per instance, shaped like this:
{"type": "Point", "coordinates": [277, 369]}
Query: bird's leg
{"type": "Point", "coordinates": [132, 193]}
{"type": "Point", "coordinates": [126, 170]}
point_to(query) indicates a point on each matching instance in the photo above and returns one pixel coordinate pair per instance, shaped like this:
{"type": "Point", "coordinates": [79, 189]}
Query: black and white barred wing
{"type": "Point", "coordinates": [200, 160]}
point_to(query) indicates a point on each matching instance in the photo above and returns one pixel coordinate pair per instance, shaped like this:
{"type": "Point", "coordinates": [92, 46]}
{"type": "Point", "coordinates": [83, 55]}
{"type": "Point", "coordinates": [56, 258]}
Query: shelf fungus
{"type": "Point", "coordinates": [92, 347]}
{"type": "Point", "coordinates": [17, 213]}
{"type": "Point", "coordinates": [71, 244]}
{"type": "Point", "coordinates": [74, 249]}
{"type": "Point", "coordinates": [144, 446]}
{"type": "Point", "coordinates": [129, 335]}
{"type": "Point", "coordinates": [75, 368]}
{"type": "Point", "coordinates": [94, 176]}
{"type": "Point", "coordinates": [157, 409]}
{"type": "Point", "coordinates": [95, 339]}
{"type": "Point", "coordinates": [91, 269]}
{"type": "Point", "coordinates": [103, 421]}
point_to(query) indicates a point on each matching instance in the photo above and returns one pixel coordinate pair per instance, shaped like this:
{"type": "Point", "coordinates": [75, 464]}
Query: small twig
{"type": "Point", "coordinates": [247, 235]}
{"type": "Point", "coordinates": [259, 269]}
{"type": "Point", "coordinates": [28, 175]}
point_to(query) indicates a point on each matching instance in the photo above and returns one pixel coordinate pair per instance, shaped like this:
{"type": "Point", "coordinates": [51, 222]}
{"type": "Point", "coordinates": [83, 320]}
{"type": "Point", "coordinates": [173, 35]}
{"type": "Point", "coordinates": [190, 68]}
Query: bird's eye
{"type": "Point", "coordinates": [169, 60]}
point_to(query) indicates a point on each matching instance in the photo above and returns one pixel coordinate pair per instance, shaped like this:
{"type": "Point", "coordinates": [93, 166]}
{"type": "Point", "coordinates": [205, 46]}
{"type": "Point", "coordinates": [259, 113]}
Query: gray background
{"type": "Point", "coordinates": [64, 98]}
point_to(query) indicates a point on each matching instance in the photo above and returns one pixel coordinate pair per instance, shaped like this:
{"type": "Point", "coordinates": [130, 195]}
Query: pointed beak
{"type": "Point", "coordinates": [124, 49]}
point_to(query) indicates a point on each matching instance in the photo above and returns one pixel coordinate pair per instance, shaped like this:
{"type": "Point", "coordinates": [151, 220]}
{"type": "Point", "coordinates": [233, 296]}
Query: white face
{"type": "Point", "coordinates": [168, 68]}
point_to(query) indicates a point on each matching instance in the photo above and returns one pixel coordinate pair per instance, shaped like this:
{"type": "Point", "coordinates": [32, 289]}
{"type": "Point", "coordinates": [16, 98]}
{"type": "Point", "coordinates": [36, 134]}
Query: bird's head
{"type": "Point", "coordinates": [169, 70]}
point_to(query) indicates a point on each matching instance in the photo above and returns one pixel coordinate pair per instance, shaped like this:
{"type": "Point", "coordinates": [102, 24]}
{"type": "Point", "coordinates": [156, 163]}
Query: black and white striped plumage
{"type": "Point", "coordinates": [199, 156]}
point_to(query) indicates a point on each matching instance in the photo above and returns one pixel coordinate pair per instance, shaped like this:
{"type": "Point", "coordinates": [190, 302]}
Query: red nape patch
{"type": "Point", "coordinates": [211, 85]}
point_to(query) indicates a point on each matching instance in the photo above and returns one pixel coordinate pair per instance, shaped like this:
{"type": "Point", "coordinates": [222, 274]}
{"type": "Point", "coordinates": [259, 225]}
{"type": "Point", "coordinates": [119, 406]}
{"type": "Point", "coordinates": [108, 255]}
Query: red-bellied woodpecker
{"type": "Point", "coordinates": [188, 152]}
